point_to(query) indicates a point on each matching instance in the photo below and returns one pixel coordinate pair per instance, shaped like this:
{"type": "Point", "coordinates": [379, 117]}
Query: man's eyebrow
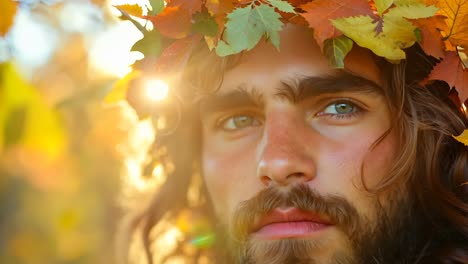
{"type": "Point", "coordinates": [241, 96]}
{"type": "Point", "coordinates": [299, 89]}
{"type": "Point", "coordinates": [294, 90]}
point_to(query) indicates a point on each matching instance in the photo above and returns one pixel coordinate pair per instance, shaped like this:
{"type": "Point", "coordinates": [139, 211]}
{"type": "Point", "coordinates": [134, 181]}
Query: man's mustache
{"type": "Point", "coordinates": [336, 209]}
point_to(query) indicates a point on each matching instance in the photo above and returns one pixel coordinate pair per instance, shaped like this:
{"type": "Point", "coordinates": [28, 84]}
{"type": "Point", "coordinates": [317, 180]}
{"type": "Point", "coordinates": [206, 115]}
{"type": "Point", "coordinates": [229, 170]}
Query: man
{"type": "Point", "coordinates": [305, 163]}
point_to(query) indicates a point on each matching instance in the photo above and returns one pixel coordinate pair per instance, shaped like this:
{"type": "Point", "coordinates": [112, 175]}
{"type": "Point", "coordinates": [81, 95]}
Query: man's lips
{"type": "Point", "coordinates": [289, 223]}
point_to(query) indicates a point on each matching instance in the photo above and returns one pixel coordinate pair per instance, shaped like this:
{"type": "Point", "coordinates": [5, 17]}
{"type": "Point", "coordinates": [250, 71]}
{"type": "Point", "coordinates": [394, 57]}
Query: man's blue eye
{"type": "Point", "coordinates": [340, 108]}
{"type": "Point", "coordinates": [239, 122]}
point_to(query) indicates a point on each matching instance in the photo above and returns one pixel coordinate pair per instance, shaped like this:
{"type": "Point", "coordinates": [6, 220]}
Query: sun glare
{"type": "Point", "coordinates": [156, 90]}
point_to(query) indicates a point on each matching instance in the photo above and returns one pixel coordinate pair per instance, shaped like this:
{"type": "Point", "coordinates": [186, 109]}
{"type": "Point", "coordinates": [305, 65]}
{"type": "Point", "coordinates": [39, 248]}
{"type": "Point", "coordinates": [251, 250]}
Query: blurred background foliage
{"type": "Point", "coordinates": [65, 155]}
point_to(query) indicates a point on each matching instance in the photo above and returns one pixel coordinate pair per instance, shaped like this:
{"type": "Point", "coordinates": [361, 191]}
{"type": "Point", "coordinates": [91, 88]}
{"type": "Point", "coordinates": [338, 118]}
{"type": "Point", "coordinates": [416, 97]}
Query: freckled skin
{"type": "Point", "coordinates": [293, 139]}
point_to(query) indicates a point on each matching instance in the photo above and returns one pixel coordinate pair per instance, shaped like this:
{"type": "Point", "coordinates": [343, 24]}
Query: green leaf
{"type": "Point", "coordinates": [282, 6]}
{"type": "Point", "coordinates": [150, 44]}
{"type": "Point", "coordinates": [247, 25]}
{"type": "Point", "coordinates": [382, 5]}
{"type": "Point", "coordinates": [223, 49]}
{"type": "Point", "coordinates": [336, 50]}
{"type": "Point", "coordinates": [156, 6]}
{"type": "Point", "coordinates": [205, 24]}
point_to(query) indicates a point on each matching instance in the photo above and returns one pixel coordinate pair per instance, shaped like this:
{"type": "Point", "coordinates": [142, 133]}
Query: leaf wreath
{"type": "Point", "coordinates": [386, 27]}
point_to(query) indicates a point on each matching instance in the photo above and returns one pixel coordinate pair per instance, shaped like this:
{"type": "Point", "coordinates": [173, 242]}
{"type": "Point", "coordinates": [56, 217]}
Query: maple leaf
{"type": "Point", "coordinates": [246, 26]}
{"type": "Point", "coordinates": [463, 137]}
{"type": "Point", "coordinates": [319, 14]}
{"type": "Point", "coordinates": [456, 28]}
{"type": "Point", "coordinates": [134, 10]}
{"type": "Point", "coordinates": [457, 78]}
{"type": "Point", "coordinates": [173, 22]}
{"type": "Point", "coordinates": [431, 41]}
{"type": "Point", "coordinates": [391, 33]}
{"type": "Point", "coordinates": [336, 50]}
{"type": "Point", "coordinates": [7, 18]}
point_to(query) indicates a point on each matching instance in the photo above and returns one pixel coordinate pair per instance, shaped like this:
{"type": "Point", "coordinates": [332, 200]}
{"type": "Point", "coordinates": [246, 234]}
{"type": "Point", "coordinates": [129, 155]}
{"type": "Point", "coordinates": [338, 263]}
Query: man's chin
{"type": "Point", "coordinates": [292, 250]}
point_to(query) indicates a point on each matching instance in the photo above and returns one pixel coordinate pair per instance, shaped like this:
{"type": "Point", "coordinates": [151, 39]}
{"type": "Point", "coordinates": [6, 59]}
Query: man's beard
{"type": "Point", "coordinates": [394, 235]}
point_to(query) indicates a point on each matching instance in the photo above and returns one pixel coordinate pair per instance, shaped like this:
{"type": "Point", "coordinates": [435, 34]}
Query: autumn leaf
{"type": "Point", "coordinates": [7, 18]}
{"type": "Point", "coordinates": [173, 22]}
{"type": "Point", "coordinates": [336, 50]}
{"type": "Point", "coordinates": [390, 34]}
{"type": "Point", "coordinates": [192, 6]}
{"type": "Point", "coordinates": [134, 10]}
{"type": "Point", "coordinates": [451, 71]}
{"type": "Point", "coordinates": [246, 26]}
{"type": "Point", "coordinates": [26, 119]}
{"type": "Point", "coordinates": [463, 138]}
{"type": "Point", "coordinates": [456, 30]}
{"type": "Point", "coordinates": [319, 14]}
{"type": "Point", "coordinates": [382, 6]}
{"type": "Point", "coordinates": [175, 57]}
{"type": "Point", "coordinates": [120, 87]}
{"type": "Point", "coordinates": [431, 41]}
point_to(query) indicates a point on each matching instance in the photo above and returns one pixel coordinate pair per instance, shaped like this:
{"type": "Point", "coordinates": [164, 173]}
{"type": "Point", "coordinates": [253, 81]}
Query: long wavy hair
{"type": "Point", "coordinates": [432, 164]}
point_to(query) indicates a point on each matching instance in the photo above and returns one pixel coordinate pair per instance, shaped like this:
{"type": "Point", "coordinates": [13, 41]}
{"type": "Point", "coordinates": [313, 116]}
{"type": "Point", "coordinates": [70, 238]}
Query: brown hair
{"type": "Point", "coordinates": [431, 162]}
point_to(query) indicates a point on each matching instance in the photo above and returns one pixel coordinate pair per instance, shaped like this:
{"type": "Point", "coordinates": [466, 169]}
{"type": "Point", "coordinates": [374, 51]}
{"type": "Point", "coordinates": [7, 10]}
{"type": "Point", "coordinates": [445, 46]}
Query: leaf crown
{"type": "Point", "coordinates": [386, 27]}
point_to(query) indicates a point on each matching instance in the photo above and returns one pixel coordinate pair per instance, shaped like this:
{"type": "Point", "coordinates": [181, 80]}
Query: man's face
{"type": "Point", "coordinates": [287, 141]}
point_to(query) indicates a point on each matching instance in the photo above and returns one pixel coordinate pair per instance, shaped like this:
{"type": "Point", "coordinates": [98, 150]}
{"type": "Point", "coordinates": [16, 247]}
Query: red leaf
{"type": "Point", "coordinates": [175, 57]}
{"type": "Point", "coordinates": [192, 6]}
{"type": "Point", "coordinates": [451, 71]}
{"type": "Point", "coordinates": [319, 13]}
{"type": "Point", "coordinates": [432, 42]}
{"type": "Point", "coordinates": [173, 22]}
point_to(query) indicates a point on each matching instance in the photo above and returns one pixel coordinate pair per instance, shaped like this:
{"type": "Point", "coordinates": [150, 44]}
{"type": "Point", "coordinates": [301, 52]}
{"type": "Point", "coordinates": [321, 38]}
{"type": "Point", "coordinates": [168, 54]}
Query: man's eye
{"type": "Point", "coordinates": [340, 108]}
{"type": "Point", "coordinates": [239, 122]}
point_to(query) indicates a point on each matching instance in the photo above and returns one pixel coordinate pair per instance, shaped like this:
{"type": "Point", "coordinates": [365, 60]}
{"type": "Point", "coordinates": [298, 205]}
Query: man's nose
{"type": "Point", "coordinates": [284, 153]}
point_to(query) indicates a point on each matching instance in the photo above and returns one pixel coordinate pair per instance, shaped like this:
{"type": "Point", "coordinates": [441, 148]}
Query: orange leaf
{"type": "Point", "coordinates": [451, 71]}
{"type": "Point", "coordinates": [319, 13]}
{"type": "Point", "coordinates": [219, 9]}
{"type": "Point", "coordinates": [8, 14]}
{"type": "Point", "coordinates": [192, 6]}
{"type": "Point", "coordinates": [456, 29]}
{"type": "Point", "coordinates": [173, 22]}
{"type": "Point", "coordinates": [432, 42]}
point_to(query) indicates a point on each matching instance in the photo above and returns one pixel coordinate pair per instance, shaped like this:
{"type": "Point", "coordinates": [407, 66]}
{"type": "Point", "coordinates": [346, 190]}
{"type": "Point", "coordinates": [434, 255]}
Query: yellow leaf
{"type": "Point", "coordinates": [42, 129]}
{"type": "Point", "coordinates": [362, 30]}
{"type": "Point", "coordinates": [8, 11]}
{"type": "Point", "coordinates": [119, 91]}
{"type": "Point", "coordinates": [383, 5]}
{"type": "Point", "coordinates": [463, 138]}
{"type": "Point", "coordinates": [456, 29]}
{"type": "Point", "coordinates": [396, 31]}
{"type": "Point", "coordinates": [134, 10]}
